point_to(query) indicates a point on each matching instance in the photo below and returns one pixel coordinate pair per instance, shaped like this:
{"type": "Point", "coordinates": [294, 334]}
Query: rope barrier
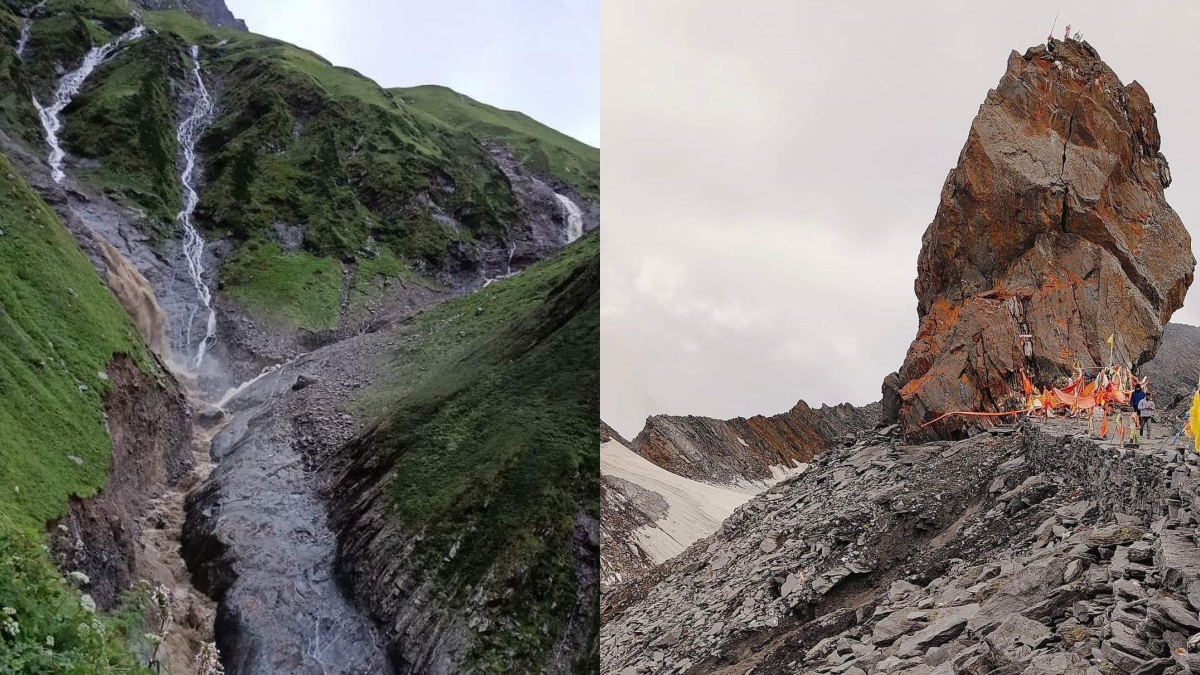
{"type": "Point", "coordinates": [973, 414]}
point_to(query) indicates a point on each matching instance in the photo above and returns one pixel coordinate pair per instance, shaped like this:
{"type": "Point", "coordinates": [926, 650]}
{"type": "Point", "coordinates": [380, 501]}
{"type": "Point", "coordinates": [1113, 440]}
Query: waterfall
{"type": "Point", "coordinates": [68, 87]}
{"type": "Point", "coordinates": [23, 40]}
{"type": "Point", "coordinates": [26, 27]}
{"type": "Point", "coordinates": [135, 295]}
{"type": "Point", "coordinates": [193, 244]}
{"type": "Point", "coordinates": [512, 248]}
{"type": "Point", "coordinates": [574, 218]}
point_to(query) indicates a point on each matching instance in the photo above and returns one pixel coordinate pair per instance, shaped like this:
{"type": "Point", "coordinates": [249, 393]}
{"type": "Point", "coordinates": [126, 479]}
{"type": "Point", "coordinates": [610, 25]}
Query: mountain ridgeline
{"type": "Point", "coordinates": [681, 477]}
{"type": "Point", "coordinates": [316, 358]}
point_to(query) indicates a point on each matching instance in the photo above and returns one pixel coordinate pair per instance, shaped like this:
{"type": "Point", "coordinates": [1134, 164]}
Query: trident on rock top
{"type": "Point", "coordinates": [1050, 35]}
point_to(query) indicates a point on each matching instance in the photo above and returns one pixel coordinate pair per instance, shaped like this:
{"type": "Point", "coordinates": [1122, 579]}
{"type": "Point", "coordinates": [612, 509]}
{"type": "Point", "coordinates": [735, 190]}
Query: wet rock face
{"type": "Point", "coordinates": [1053, 224]}
{"type": "Point", "coordinates": [542, 224]}
{"type": "Point", "coordinates": [256, 537]}
{"type": "Point", "coordinates": [742, 452]}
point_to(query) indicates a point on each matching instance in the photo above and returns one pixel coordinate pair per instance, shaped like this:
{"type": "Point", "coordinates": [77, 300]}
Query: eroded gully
{"type": "Point", "coordinates": [249, 518]}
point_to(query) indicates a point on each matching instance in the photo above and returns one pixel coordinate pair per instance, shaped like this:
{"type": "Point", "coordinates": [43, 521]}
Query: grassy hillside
{"type": "Point", "coordinates": [59, 328]}
{"type": "Point", "coordinates": [542, 149]}
{"type": "Point", "coordinates": [491, 423]}
{"type": "Point", "coordinates": [126, 122]}
{"type": "Point", "coordinates": [296, 141]}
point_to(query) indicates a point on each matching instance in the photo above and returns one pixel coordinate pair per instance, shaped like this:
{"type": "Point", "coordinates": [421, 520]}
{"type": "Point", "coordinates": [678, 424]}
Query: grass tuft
{"type": "Point", "coordinates": [294, 289]}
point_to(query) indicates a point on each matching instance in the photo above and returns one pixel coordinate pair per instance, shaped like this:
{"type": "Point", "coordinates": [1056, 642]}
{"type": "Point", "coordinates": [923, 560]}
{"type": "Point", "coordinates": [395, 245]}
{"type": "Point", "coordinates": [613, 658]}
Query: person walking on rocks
{"type": "Point", "coordinates": [1145, 410]}
{"type": "Point", "coordinates": [1135, 399]}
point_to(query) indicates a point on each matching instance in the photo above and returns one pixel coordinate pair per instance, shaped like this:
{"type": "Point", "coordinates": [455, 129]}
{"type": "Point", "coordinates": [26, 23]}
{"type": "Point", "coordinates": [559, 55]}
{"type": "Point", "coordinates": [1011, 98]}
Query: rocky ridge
{"type": "Point", "coordinates": [1008, 552]}
{"type": "Point", "coordinates": [214, 12]}
{"type": "Point", "coordinates": [648, 514]}
{"type": "Point", "coordinates": [681, 476]}
{"type": "Point", "coordinates": [747, 453]}
{"type": "Point", "coordinates": [1052, 233]}
{"type": "Point", "coordinates": [1174, 370]}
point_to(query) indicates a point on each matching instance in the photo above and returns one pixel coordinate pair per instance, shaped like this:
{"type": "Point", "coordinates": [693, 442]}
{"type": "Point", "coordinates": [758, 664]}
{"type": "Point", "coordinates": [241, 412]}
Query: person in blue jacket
{"type": "Point", "coordinates": [1135, 399]}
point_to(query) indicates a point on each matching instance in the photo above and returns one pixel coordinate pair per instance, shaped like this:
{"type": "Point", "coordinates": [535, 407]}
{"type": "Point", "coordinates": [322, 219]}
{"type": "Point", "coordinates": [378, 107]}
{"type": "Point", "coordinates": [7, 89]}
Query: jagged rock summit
{"type": "Point", "coordinates": [682, 476]}
{"type": "Point", "coordinates": [1054, 226]}
{"type": "Point", "coordinates": [214, 12]}
{"type": "Point", "coordinates": [747, 453]}
{"type": "Point", "coordinates": [1029, 550]}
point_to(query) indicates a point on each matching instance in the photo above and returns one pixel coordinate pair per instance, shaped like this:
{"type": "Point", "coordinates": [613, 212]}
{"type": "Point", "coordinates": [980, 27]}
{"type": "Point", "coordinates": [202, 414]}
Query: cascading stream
{"type": "Point", "coordinates": [26, 25]}
{"type": "Point", "coordinates": [68, 87]}
{"type": "Point", "coordinates": [26, 28]}
{"type": "Point", "coordinates": [193, 244]}
{"type": "Point", "coordinates": [574, 218]}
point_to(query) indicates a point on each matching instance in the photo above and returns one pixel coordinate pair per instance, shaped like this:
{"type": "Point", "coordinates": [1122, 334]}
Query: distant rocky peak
{"type": "Point", "coordinates": [214, 12]}
{"type": "Point", "coordinates": [608, 433]}
{"type": "Point", "coordinates": [748, 453]}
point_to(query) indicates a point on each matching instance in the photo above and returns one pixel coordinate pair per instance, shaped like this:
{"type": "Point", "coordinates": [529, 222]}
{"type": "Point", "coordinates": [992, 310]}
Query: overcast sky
{"type": "Point", "coordinates": [770, 166]}
{"type": "Point", "coordinates": [541, 57]}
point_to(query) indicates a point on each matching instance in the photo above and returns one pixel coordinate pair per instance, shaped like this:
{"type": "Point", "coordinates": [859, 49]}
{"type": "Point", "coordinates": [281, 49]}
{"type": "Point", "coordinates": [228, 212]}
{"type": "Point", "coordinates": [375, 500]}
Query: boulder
{"type": "Point", "coordinates": [938, 633]}
{"type": "Point", "coordinates": [1053, 225]}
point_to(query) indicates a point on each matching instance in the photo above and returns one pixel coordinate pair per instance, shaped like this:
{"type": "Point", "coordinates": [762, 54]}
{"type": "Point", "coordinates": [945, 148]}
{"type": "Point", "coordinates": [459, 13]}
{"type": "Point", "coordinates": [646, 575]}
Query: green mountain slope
{"type": "Point", "coordinates": [59, 330]}
{"type": "Point", "coordinates": [544, 150]}
{"type": "Point", "coordinates": [489, 447]}
{"type": "Point", "coordinates": [296, 141]}
{"type": "Point", "coordinates": [487, 433]}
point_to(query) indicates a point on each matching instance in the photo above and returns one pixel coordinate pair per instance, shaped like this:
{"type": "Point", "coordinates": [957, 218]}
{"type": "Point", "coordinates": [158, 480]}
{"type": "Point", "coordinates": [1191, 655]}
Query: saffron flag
{"type": "Point", "coordinates": [1194, 420]}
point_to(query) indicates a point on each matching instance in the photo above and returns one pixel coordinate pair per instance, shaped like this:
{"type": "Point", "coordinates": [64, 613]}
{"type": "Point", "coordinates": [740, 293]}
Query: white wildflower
{"type": "Point", "coordinates": [50, 641]}
{"type": "Point", "coordinates": [208, 660]}
{"type": "Point", "coordinates": [161, 597]}
{"type": "Point", "coordinates": [87, 603]}
{"type": "Point", "coordinates": [79, 578]}
{"type": "Point", "coordinates": [9, 625]}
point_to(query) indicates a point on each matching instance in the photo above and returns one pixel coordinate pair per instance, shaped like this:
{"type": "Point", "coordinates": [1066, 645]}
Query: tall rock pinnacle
{"type": "Point", "coordinates": [1052, 234]}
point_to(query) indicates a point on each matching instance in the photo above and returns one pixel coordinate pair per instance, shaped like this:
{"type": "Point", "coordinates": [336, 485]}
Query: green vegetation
{"type": "Point", "coordinates": [70, 28]}
{"type": "Point", "coordinates": [300, 141]}
{"type": "Point", "coordinates": [491, 421]}
{"type": "Point", "coordinates": [542, 149]}
{"type": "Point", "coordinates": [193, 31]}
{"type": "Point", "coordinates": [296, 141]}
{"type": "Point", "coordinates": [126, 120]}
{"type": "Point", "coordinates": [384, 268]}
{"type": "Point", "coordinates": [296, 289]}
{"type": "Point", "coordinates": [59, 329]}
{"type": "Point", "coordinates": [44, 627]}
{"type": "Point", "coordinates": [17, 114]}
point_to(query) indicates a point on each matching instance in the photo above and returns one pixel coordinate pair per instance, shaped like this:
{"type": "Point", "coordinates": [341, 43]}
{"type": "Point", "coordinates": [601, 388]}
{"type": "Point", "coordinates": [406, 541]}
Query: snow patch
{"type": "Point", "coordinates": [695, 510]}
